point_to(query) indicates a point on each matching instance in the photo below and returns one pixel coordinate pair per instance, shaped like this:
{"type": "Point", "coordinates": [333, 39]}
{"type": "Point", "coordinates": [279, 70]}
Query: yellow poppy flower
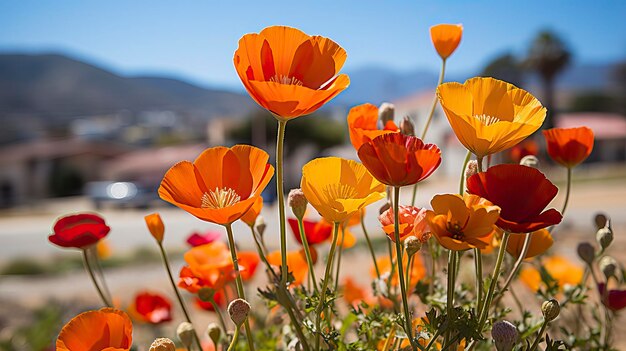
{"type": "Point", "coordinates": [564, 271]}
{"type": "Point", "coordinates": [461, 223]}
{"type": "Point", "coordinates": [540, 241]}
{"type": "Point", "coordinates": [338, 188]}
{"type": "Point", "coordinates": [489, 115]}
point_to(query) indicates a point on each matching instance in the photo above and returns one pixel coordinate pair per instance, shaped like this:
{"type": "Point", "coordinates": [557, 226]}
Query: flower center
{"type": "Point", "coordinates": [455, 230]}
{"type": "Point", "coordinates": [487, 120]}
{"type": "Point", "coordinates": [282, 79]}
{"type": "Point", "coordinates": [219, 198]}
{"type": "Point", "coordinates": [340, 191]}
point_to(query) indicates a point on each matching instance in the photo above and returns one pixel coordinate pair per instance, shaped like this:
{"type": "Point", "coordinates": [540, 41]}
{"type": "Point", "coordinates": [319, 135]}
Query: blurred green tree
{"type": "Point", "coordinates": [548, 56]}
{"type": "Point", "coordinates": [505, 67]}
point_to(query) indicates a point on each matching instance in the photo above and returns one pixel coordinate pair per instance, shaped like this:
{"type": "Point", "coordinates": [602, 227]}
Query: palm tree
{"type": "Point", "coordinates": [548, 56]}
{"type": "Point", "coordinates": [505, 67]}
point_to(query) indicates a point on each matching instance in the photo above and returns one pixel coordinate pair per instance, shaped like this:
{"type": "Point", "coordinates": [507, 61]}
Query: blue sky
{"type": "Point", "coordinates": [196, 39]}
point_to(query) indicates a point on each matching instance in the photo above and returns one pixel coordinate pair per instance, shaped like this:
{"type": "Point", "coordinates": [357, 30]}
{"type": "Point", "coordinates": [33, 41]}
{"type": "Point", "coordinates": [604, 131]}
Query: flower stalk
{"type": "Point", "coordinates": [90, 270]}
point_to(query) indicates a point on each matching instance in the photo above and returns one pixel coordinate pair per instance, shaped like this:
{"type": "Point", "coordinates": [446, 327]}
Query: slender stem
{"type": "Point", "coordinates": [343, 237]}
{"type": "Point", "coordinates": [327, 273]}
{"type": "Point", "coordinates": [89, 269]}
{"type": "Point", "coordinates": [479, 162]}
{"type": "Point", "coordinates": [166, 263]}
{"type": "Point", "coordinates": [462, 178]}
{"type": "Point", "coordinates": [280, 192]}
{"type": "Point", "coordinates": [567, 191]}
{"type": "Point", "coordinates": [405, 304]}
{"type": "Point", "coordinates": [234, 341]}
{"type": "Point", "coordinates": [516, 266]}
{"type": "Point", "coordinates": [433, 265]}
{"type": "Point", "coordinates": [93, 252]}
{"type": "Point", "coordinates": [478, 263]}
{"type": "Point", "coordinates": [484, 313]}
{"type": "Point", "coordinates": [369, 244]}
{"type": "Point", "coordinates": [307, 252]}
{"type": "Point", "coordinates": [450, 292]}
{"type": "Point", "coordinates": [538, 339]}
{"type": "Point", "coordinates": [434, 103]}
{"type": "Point", "coordinates": [218, 312]}
{"type": "Point", "coordinates": [433, 339]}
{"type": "Point", "coordinates": [240, 291]}
{"type": "Point", "coordinates": [408, 271]}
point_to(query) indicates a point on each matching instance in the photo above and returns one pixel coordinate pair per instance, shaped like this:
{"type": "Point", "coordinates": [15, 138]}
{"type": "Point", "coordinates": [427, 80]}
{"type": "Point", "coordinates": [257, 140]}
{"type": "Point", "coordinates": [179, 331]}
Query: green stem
{"type": "Point", "coordinates": [218, 312]}
{"type": "Point", "coordinates": [89, 269]}
{"type": "Point", "coordinates": [450, 292]}
{"type": "Point", "coordinates": [240, 291]}
{"type": "Point", "coordinates": [516, 266]}
{"type": "Point", "coordinates": [567, 191]}
{"type": "Point", "coordinates": [484, 313]}
{"type": "Point", "coordinates": [369, 244]}
{"type": "Point", "coordinates": [408, 271]}
{"type": "Point", "coordinates": [433, 265]}
{"type": "Point", "coordinates": [100, 273]}
{"type": "Point", "coordinates": [343, 237]}
{"type": "Point", "coordinates": [307, 252]}
{"type": "Point", "coordinates": [280, 139]}
{"type": "Point", "coordinates": [462, 179]}
{"type": "Point", "coordinates": [405, 304]}
{"type": "Point", "coordinates": [479, 162]}
{"type": "Point", "coordinates": [327, 273]}
{"type": "Point", "coordinates": [434, 103]}
{"type": "Point", "coordinates": [233, 342]}
{"type": "Point", "coordinates": [478, 263]}
{"type": "Point", "coordinates": [166, 263]}
{"type": "Point", "coordinates": [535, 344]}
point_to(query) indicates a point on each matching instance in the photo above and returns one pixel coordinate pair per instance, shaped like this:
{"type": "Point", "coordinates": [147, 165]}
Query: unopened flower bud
{"type": "Point", "coordinates": [586, 252]}
{"type": "Point", "coordinates": [386, 112]}
{"type": "Point", "coordinates": [214, 332]}
{"type": "Point", "coordinates": [529, 161]}
{"type": "Point", "coordinates": [163, 344]}
{"type": "Point", "coordinates": [384, 208]}
{"type": "Point", "coordinates": [298, 202]}
{"type": "Point", "coordinates": [601, 220]}
{"type": "Point", "coordinates": [608, 266]}
{"type": "Point", "coordinates": [505, 335]}
{"type": "Point", "coordinates": [206, 294]}
{"type": "Point", "coordinates": [155, 226]}
{"type": "Point", "coordinates": [238, 310]}
{"type": "Point", "coordinates": [412, 245]}
{"type": "Point", "coordinates": [185, 333]}
{"type": "Point", "coordinates": [471, 169]}
{"type": "Point", "coordinates": [550, 309]}
{"type": "Point", "coordinates": [604, 237]}
{"type": "Point", "coordinates": [259, 225]}
{"type": "Point", "coordinates": [406, 126]}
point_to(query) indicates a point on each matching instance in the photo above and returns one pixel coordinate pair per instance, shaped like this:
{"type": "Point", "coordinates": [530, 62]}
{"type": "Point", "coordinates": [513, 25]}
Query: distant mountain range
{"type": "Point", "coordinates": [55, 85]}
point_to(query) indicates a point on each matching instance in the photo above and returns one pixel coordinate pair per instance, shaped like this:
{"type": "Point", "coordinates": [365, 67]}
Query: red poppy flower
{"type": "Point", "coordinates": [396, 159]}
{"type": "Point", "coordinates": [197, 239]}
{"type": "Point", "coordinates": [315, 231]}
{"type": "Point", "coordinates": [153, 308]}
{"type": "Point", "coordinates": [521, 192]}
{"type": "Point", "coordinates": [569, 146]}
{"type": "Point", "coordinates": [525, 148]}
{"type": "Point", "coordinates": [248, 263]}
{"type": "Point", "coordinates": [79, 230]}
{"type": "Point", "coordinates": [613, 299]}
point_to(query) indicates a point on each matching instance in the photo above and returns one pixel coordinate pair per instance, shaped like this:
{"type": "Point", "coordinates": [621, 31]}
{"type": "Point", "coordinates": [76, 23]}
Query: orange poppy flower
{"type": "Point", "coordinates": [540, 242]}
{"type": "Point", "coordinates": [288, 72]}
{"type": "Point", "coordinates": [79, 230]}
{"type": "Point", "coordinates": [446, 38]}
{"type": "Point", "coordinates": [315, 231]}
{"type": "Point", "coordinates": [412, 223]}
{"type": "Point", "coordinates": [296, 261]}
{"type": "Point", "coordinates": [569, 146]}
{"type": "Point", "coordinates": [155, 226]}
{"type": "Point", "coordinates": [250, 217]}
{"type": "Point", "coordinates": [248, 262]}
{"type": "Point", "coordinates": [560, 268]}
{"type": "Point", "coordinates": [153, 308]}
{"type": "Point", "coordinates": [208, 266]}
{"type": "Point", "coordinates": [353, 293]}
{"type": "Point", "coordinates": [396, 159]}
{"type": "Point", "coordinates": [489, 115]}
{"type": "Point", "coordinates": [106, 329]}
{"type": "Point", "coordinates": [461, 223]}
{"type": "Point", "coordinates": [521, 192]}
{"type": "Point", "coordinates": [338, 188]}
{"type": "Point", "coordinates": [363, 125]}
{"type": "Point", "coordinates": [221, 185]}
